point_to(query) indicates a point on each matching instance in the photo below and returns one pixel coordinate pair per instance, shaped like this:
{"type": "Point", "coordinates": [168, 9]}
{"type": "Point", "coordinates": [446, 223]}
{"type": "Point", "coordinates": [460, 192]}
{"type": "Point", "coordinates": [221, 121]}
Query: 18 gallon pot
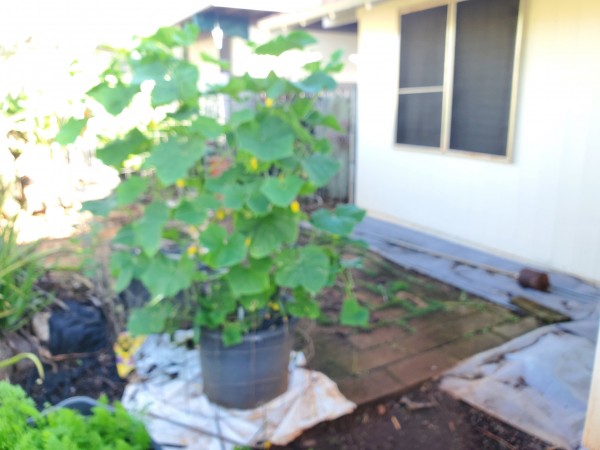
{"type": "Point", "coordinates": [246, 375]}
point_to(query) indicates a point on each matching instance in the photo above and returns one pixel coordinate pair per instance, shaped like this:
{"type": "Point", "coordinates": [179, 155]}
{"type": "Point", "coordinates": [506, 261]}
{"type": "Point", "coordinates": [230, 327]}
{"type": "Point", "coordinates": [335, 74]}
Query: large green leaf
{"type": "Point", "coordinates": [294, 40]}
{"type": "Point", "coordinates": [250, 279]}
{"type": "Point", "coordinates": [188, 212]}
{"type": "Point", "coordinates": [282, 191]}
{"type": "Point", "coordinates": [234, 196]}
{"type": "Point", "coordinates": [172, 159]}
{"type": "Point", "coordinates": [195, 211]}
{"type": "Point", "coordinates": [269, 140]}
{"type": "Point", "coordinates": [70, 131]}
{"type": "Point", "coordinates": [320, 168]}
{"type": "Point", "coordinates": [329, 121]}
{"type": "Point", "coordinates": [316, 82]}
{"type": "Point", "coordinates": [255, 302]}
{"type": "Point", "coordinates": [239, 117]}
{"type": "Point", "coordinates": [165, 277]}
{"type": "Point", "coordinates": [224, 65]}
{"type": "Point", "coordinates": [308, 268]}
{"type": "Point", "coordinates": [215, 308]}
{"type": "Point", "coordinates": [350, 210]}
{"type": "Point", "coordinates": [164, 92]}
{"type": "Point", "coordinates": [115, 153]}
{"type": "Point", "coordinates": [148, 70]}
{"type": "Point", "coordinates": [341, 221]}
{"type": "Point", "coordinates": [150, 320]}
{"type": "Point", "coordinates": [223, 250]}
{"type": "Point", "coordinates": [353, 314]}
{"type": "Point", "coordinates": [186, 75]}
{"type": "Point", "coordinates": [232, 333]}
{"type": "Point", "coordinates": [181, 85]}
{"type": "Point", "coordinates": [125, 236]}
{"type": "Point", "coordinates": [336, 62]}
{"type": "Point", "coordinates": [148, 228]}
{"type": "Point", "coordinates": [102, 207]}
{"type": "Point", "coordinates": [208, 127]}
{"type": "Point", "coordinates": [302, 305]}
{"type": "Point", "coordinates": [258, 203]}
{"type": "Point", "coordinates": [123, 265]}
{"type": "Point", "coordinates": [113, 98]}
{"type": "Point", "coordinates": [213, 237]}
{"type": "Point", "coordinates": [269, 233]}
{"type": "Point", "coordinates": [302, 106]}
{"type": "Point", "coordinates": [233, 88]}
{"type": "Point", "coordinates": [129, 190]}
{"type": "Point", "coordinates": [219, 183]}
{"type": "Point", "coordinates": [175, 36]}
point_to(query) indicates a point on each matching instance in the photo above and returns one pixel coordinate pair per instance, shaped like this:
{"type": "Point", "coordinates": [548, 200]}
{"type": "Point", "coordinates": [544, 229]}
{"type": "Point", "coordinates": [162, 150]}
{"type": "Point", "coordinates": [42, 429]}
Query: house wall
{"type": "Point", "coordinates": [591, 432]}
{"type": "Point", "coordinates": [542, 207]}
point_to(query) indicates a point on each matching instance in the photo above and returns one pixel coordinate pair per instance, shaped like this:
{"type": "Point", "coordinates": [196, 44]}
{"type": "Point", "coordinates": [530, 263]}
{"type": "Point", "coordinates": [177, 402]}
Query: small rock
{"type": "Point", "coordinates": [381, 409]}
{"type": "Point", "coordinates": [412, 405]}
{"type": "Point", "coordinates": [40, 325]}
{"type": "Point", "coordinates": [309, 443]}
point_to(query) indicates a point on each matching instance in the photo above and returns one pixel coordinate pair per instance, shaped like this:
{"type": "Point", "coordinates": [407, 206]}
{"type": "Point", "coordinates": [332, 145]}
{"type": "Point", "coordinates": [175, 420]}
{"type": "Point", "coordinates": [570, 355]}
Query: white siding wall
{"type": "Point", "coordinates": [544, 206]}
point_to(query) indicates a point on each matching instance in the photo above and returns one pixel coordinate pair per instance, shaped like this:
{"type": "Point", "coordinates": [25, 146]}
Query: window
{"type": "Point", "coordinates": [456, 76]}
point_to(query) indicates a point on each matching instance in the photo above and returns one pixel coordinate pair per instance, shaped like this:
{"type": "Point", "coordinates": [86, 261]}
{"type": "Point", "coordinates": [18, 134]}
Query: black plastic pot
{"type": "Point", "coordinates": [248, 374]}
{"type": "Point", "coordinates": [84, 406]}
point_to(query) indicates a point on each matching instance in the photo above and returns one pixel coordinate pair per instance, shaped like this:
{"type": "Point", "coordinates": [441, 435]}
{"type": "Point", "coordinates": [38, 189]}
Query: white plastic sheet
{"type": "Point", "coordinates": [538, 382]}
{"type": "Point", "coordinates": [176, 411]}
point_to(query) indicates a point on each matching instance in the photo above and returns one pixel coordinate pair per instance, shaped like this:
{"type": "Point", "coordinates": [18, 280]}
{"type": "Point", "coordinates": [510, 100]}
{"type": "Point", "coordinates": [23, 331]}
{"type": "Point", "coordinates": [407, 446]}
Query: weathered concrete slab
{"type": "Point", "coordinates": [570, 296]}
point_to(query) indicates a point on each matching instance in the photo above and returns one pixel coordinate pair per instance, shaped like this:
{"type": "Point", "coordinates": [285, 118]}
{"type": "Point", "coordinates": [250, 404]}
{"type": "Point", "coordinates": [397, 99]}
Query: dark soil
{"type": "Point", "coordinates": [91, 376]}
{"type": "Point", "coordinates": [425, 418]}
{"type": "Point", "coordinates": [78, 358]}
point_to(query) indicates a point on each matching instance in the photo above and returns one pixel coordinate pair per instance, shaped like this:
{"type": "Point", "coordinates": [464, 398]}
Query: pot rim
{"type": "Point", "coordinates": [252, 335]}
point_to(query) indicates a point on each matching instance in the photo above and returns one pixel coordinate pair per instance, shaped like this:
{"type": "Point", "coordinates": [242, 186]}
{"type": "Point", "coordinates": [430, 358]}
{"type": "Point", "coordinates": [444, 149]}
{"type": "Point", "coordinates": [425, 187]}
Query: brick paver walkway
{"type": "Point", "coordinates": [369, 365]}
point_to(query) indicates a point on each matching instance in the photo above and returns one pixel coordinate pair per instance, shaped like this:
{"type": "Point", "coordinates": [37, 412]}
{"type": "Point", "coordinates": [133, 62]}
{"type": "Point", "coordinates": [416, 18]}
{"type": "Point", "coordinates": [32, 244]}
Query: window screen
{"type": "Point", "coordinates": [483, 69]}
{"type": "Point", "coordinates": [419, 119]}
{"type": "Point", "coordinates": [422, 42]}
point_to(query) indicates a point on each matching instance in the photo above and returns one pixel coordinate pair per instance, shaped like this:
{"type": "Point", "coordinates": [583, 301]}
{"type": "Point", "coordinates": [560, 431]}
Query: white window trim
{"type": "Point", "coordinates": [448, 86]}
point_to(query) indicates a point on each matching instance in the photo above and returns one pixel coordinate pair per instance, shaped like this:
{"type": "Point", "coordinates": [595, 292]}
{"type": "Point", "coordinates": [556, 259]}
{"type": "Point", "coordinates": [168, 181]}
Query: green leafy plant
{"type": "Point", "coordinates": [226, 192]}
{"type": "Point", "coordinates": [20, 269]}
{"type": "Point", "coordinates": [23, 427]}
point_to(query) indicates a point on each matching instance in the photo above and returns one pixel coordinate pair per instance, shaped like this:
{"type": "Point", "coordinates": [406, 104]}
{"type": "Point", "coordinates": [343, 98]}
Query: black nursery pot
{"type": "Point", "coordinates": [249, 374]}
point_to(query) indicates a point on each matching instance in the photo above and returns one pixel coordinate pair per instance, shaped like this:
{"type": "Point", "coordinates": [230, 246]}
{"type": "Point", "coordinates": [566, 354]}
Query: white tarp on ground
{"type": "Point", "coordinates": [538, 382]}
{"type": "Point", "coordinates": [176, 411]}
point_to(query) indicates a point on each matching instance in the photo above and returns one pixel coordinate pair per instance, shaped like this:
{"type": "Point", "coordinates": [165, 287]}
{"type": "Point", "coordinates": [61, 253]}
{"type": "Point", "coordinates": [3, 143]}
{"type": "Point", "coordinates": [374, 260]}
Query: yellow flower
{"type": "Point", "coordinates": [220, 214]}
{"type": "Point", "coordinates": [192, 250]}
{"type": "Point", "coordinates": [269, 102]}
{"type": "Point", "coordinates": [254, 164]}
{"type": "Point", "coordinates": [274, 306]}
{"type": "Point", "coordinates": [180, 183]}
{"type": "Point", "coordinates": [248, 241]}
{"type": "Point", "coordinates": [125, 348]}
{"type": "Point", "coordinates": [295, 206]}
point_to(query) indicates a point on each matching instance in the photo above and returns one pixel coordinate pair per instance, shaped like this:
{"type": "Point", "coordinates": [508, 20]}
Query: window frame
{"type": "Point", "coordinates": [448, 86]}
